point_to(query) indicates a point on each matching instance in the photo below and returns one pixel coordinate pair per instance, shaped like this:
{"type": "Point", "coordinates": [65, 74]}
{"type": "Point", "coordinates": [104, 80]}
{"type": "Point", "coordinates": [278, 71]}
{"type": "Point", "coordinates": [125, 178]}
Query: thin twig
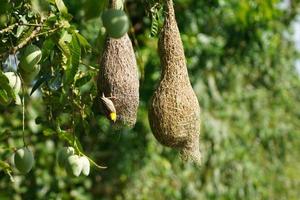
{"type": "Point", "coordinates": [93, 162]}
{"type": "Point", "coordinates": [9, 28]}
{"type": "Point", "coordinates": [28, 24]}
{"type": "Point", "coordinates": [35, 33]}
{"type": "Point", "coordinates": [50, 31]}
{"type": "Point", "coordinates": [89, 66]}
{"type": "Point", "coordinates": [24, 42]}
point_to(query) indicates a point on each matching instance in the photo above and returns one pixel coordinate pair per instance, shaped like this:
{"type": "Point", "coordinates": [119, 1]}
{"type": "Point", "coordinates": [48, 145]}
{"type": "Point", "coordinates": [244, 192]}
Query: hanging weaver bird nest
{"type": "Point", "coordinates": [118, 81]}
{"type": "Point", "coordinates": [174, 113]}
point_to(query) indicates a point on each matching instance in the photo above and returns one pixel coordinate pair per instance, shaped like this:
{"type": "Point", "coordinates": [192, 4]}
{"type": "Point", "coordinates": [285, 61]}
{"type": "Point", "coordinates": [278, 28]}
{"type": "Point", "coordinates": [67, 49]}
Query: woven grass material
{"type": "Point", "coordinates": [174, 113]}
{"type": "Point", "coordinates": [118, 77]}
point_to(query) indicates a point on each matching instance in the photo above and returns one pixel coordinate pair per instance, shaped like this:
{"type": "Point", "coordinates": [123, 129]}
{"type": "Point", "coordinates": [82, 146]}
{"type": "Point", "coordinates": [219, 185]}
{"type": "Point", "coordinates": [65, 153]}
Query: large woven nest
{"type": "Point", "coordinates": [118, 77]}
{"type": "Point", "coordinates": [174, 113]}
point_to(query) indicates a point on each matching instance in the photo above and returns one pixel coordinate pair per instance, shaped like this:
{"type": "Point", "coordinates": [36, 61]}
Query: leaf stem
{"type": "Point", "coordinates": [91, 160]}
{"type": "Point", "coordinates": [89, 66]}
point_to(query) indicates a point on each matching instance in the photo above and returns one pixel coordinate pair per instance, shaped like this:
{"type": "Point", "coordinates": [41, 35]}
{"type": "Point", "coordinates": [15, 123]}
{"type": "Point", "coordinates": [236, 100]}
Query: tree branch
{"type": "Point", "coordinates": [9, 28]}
{"type": "Point", "coordinates": [24, 42]}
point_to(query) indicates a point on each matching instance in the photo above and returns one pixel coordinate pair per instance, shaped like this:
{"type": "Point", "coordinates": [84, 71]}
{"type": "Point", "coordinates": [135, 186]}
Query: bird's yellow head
{"type": "Point", "coordinates": [113, 116]}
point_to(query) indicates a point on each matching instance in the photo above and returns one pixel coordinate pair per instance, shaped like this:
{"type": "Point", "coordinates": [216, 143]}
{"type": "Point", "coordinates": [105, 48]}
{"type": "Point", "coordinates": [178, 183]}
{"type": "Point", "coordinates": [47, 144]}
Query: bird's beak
{"type": "Point", "coordinates": [113, 116]}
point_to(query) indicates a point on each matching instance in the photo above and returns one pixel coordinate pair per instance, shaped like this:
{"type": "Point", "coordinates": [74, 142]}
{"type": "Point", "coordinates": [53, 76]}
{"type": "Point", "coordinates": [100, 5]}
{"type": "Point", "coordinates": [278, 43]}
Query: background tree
{"type": "Point", "coordinates": [240, 58]}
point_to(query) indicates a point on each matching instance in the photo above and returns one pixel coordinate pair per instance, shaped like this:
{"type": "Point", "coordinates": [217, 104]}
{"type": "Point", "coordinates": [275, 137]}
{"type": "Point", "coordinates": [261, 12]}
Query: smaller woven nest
{"type": "Point", "coordinates": [174, 113]}
{"type": "Point", "coordinates": [118, 78]}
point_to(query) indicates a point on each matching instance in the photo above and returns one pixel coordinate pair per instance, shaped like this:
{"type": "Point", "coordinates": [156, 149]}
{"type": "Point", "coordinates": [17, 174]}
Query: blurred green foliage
{"type": "Point", "coordinates": [240, 58]}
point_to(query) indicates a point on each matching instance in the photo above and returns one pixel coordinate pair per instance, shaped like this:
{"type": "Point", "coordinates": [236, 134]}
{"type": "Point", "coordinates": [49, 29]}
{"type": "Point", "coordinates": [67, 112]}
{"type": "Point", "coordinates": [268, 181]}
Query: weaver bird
{"type": "Point", "coordinates": [109, 108]}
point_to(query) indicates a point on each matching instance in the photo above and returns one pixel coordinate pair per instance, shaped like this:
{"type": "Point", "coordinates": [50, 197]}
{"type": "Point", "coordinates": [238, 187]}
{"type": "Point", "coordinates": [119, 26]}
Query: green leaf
{"type": "Point", "coordinates": [72, 66]}
{"type": "Point", "coordinates": [7, 169]}
{"type": "Point", "coordinates": [83, 42]}
{"type": "Point", "coordinates": [63, 42]}
{"type": "Point", "coordinates": [25, 34]}
{"type": "Point", "coordinates": [49, 132]}
{"type": "Point", "coordinates": [3, 79]}
{"type": "Point", "coordinates": [40, 7]}
{"type": "Point", "coordinates": [39, 82]}
{"type": "Point", "coordinates": [4, 134]}
{"type": "Point", "coordinates": [20, 30]}
{"type": "Point", "coordinates": [83, 80]}
{"type": "Point", "coordinates": [48, 46]}
{"type": "Point", "coordinates": [75, 51]}
{"type": "Point", "coordinates": [70, 138]}
{"type": "Point", "coordinates": [4, 97]}
{"type": "Point", "coordinates": [93, 8]}
{"type": "Point", "coordinates": [4, 165]}
{"type": "Point", "coordinates": [7, 94]}
{"type": "Point", "coordinates": [61, 7]}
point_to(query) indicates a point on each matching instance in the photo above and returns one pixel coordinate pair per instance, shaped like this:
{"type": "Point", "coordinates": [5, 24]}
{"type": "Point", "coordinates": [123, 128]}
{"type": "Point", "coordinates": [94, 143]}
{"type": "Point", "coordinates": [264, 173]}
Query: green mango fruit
{"type": "Point", "coordinates": [30, 57]}
{"type": "Point", "coordinates": [24, 160]}
{"type": "Point", "coordinates": [28, 77]}
{"type": "Point", "coordinates": [73, 165]}
{"type": "Point", "coordinates": [85, 165]}
{"type": "Point", "coordinates": [120, 4]}
{"type": "Point", "coordinates": [14, 81]}
{"type": "Point", "coordinates": [116, 22]}
{"type": "Point", "coordinates": [63, 154]}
